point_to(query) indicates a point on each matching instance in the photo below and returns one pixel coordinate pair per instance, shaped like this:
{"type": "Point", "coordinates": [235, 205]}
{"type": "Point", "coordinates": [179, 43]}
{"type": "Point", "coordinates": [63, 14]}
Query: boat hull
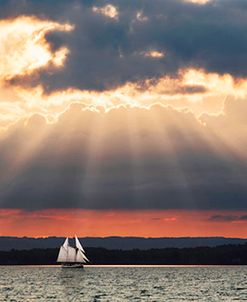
{"type": "Point", "coordinates": [72, 265]}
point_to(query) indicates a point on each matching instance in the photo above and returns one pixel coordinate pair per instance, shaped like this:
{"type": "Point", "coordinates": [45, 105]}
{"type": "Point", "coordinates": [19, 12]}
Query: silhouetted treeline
{"type": "Point", "coordinates": [221, 255]}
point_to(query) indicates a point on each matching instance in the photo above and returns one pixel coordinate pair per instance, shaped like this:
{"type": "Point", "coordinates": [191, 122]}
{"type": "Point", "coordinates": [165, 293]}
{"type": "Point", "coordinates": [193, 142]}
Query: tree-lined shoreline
{"type": "Point", "coordinates": [220, 255]}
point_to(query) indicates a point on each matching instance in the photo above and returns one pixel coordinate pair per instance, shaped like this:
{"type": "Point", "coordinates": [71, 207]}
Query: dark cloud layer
{"type": "Point", "coordinates": [228, 218]}
{"type": "Point", "coordinates": [105, 52]}
{"type": "Point", "coordinates": [124, 159]}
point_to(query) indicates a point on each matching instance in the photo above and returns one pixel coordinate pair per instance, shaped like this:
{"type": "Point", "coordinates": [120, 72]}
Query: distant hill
{"type": "Point", "coordinates": [123, 243]}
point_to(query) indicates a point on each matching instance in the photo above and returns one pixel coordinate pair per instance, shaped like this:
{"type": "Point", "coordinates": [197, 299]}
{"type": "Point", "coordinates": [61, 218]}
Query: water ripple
{"type": "Point", "coordinates": [103, 284]}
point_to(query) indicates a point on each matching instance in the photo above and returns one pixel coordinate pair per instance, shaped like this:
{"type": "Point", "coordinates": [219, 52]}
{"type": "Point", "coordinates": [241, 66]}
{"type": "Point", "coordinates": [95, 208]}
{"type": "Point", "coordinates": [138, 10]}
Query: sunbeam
{"type": "Point", "coordinates": [93, 124]}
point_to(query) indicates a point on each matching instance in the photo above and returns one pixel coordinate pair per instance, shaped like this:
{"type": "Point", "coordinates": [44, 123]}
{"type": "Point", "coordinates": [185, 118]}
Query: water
{"type": "Point", "coordinates": [94, 284]}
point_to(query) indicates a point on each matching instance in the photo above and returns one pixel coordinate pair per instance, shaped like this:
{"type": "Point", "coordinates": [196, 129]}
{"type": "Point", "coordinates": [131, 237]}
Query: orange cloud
{"type": "Point", "coordinates": [24, 49]}
{"type": "Point", "coordinates": [196, 90]}
{"type": "Point", "coordinates": [162, 223]}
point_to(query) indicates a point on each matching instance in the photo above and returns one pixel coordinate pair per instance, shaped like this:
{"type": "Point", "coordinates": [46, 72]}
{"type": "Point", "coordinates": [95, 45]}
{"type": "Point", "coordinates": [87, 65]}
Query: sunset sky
{"type": "Point", "coordinates": [123, 118]}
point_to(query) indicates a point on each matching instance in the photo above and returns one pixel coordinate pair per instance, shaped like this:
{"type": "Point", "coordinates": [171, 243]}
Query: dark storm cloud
{"type": "Point", "coordinates": [123, 159]}
{"type": "Point", "coordinates": [228, 218]}
{"type": "Point", "coordinates": [105, 52]}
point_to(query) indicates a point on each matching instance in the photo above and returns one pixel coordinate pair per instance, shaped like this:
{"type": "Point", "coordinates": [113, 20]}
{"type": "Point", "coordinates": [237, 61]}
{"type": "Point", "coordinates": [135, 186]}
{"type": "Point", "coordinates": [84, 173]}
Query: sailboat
{"type": "Point", "coordinates": [72, 257]}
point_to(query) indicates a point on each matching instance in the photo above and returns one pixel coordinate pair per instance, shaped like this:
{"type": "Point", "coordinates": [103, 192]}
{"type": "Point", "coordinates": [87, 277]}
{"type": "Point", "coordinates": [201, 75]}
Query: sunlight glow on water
{"type": "Point", "coordinates": [94, 284]}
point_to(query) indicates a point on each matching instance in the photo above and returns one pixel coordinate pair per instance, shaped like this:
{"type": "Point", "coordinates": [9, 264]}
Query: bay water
{"type": "Point", "coordinates": [123, 283]}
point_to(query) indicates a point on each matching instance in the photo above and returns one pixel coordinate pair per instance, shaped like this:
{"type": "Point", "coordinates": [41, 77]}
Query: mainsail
{"type": "Point", "coordinates": [72, 254]}
{"type": "Point", "coordinates": [62, 256]}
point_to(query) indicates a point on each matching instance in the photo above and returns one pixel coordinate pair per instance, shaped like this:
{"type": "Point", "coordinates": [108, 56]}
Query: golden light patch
{"type": "Point", "coordinates": [153, 54]}
{"type": "Point", "coordinates": [108, 11]}
{"type": "Point", "coordinates": [196, 90]}
{"type": "Point", "coordinates": [24, 49]}
{"type": "Point", "coordinates": [198, 1]}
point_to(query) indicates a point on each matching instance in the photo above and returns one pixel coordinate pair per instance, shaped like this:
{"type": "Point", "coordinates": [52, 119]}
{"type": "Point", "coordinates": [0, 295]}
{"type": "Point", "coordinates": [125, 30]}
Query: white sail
{"type": "Point", "coordinates": [62, 255]}
{"type": "Point", "coordinates": [71, 254]}
{"type": "Point", "coordinates": [81, 252]}
{"type": "Point", "coordinates": [78, 244]}
{"type": "Point", "coordinates": [66, 243]}
{"type": "Point", "coordinates": [85, 258]}
{"type": "Point", "coordinates": [80, 257]}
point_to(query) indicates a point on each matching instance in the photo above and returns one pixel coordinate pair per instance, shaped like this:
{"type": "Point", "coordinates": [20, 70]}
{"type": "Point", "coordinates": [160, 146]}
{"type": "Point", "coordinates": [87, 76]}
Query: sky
{"type": "Point", "coordinates": [123, 118]}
